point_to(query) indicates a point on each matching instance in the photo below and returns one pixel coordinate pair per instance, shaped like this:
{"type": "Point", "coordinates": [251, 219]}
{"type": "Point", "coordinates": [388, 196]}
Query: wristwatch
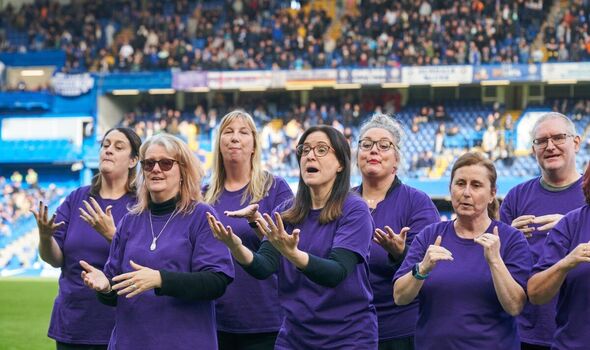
{"type": "Point", "coordinates": [416, 273]}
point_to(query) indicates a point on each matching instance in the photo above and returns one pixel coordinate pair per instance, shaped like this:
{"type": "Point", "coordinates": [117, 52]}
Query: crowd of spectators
{"type": "Point", "coordinates": [19, 195]}
{"type": "Point", "coordinates": [568, 37]}
{"type": "Point", "coordinates": [280, 130]}
{"type": "Point", "coordinates": [135, 35]}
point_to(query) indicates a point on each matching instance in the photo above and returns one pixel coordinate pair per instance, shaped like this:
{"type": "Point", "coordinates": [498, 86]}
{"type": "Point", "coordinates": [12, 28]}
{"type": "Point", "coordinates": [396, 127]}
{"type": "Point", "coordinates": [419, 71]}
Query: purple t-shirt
{"type": "Point", "coordinates": [536, 323]}
{"type": "Point", "coordinates": [250, 305]}
{"type": "Point", "coordinates": [573, 305]}
{"type": "Point", "coordinates": [318, 317]}
{"type": "Point", "coordinates": [147, 321]}
{"type": "Point", "coordinates": [78, 317]}
{"type": "Point", "coordinates": [403, 206]}
{"type": "Point", "coordinates": [459, 308]}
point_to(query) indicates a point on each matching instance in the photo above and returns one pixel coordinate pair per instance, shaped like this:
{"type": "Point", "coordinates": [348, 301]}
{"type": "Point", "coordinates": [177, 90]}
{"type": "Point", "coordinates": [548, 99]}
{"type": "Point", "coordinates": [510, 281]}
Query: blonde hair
{"type": "Point", "coordinates": [260, 181]}
{"type": "Point", "coordinates": [191, 174]}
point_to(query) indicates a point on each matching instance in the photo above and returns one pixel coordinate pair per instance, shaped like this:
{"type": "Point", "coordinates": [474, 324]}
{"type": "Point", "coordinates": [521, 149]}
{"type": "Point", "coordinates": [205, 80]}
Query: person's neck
{"type": "Point", "coordinates": [165, 207]}
{"type": "Point", "coordinates": [319, 196]}
{"type": "Point", "coordinates": [472, 227]}
{"type": "Point", "coordinates": [561, 179]}
{"type": "Point", "coordinates": [376, 188]}
{"type": "Point", "coordinates": [112, 187]}
{"type": "Point", "coordinates": [237, 175]}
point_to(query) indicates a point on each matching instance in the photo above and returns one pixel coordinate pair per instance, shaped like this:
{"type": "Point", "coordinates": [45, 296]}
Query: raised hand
{"type": "Point", "coordinates": [580, 254]}
{"type": "Point", "coordinates": [224, 234]}
{"type": "Point", "coordinates": [284, 242]}
{"type": "Point", "coordinates": [46, 226]}
{"type": "Point", "coordinates": [250, 213]}
{"type": "Point", "coordinates": [548, 221]}
{"type": "Point", "coordinates": [136, 282]}
{"type": "Point", "coordinates": [101, 221]}
{"type": "Point", "coordinates": [393, 243]}
{"type": "Point", "coordinates": [491, 245]}
{"type": "Point", "coordinates": [433, 255]}
{"type": "Point", "coordinates": [94, 278]}
{"type": "Point", "coordinates": [522, 223]}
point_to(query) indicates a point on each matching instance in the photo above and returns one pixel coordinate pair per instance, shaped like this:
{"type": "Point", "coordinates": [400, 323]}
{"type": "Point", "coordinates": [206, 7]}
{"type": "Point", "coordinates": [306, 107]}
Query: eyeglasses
{"type": "Point", "coordinates": [558, 139]}
{"type": "Point", "coordinates": [320, 150]}
{"type": "Point", "coordinates": [382, 145]}
{"type": "Point", "coordinates": [165, 164]}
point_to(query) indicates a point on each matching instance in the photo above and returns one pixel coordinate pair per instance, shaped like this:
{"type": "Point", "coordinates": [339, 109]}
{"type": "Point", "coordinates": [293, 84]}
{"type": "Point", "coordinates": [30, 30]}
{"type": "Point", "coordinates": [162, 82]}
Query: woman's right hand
{"type": "Point", "coordinates": [94, 278]}
{"type": "Point", "coordinates": [250, 213]}
{"type": "Point", "coordinates": [46, 226]}
{"type": "Point", "coordinates": [224, 234]}
{"type": "Point", "coordinates": [433, 255]}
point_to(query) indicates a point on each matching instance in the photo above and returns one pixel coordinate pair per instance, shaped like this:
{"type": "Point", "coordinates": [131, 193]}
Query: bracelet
{"type": "Point", "coordinates": [416, 273]}
{"type": "Point", "coordinates": [253, 224]}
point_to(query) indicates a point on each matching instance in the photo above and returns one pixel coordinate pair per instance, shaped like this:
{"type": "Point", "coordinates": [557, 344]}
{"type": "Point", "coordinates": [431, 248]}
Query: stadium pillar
{"type": "Point", "coordinates": [180, 100]}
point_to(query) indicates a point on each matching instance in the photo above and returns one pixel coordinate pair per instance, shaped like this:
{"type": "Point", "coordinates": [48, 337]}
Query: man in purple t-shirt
{"type": "Point", "coordinates": [535, 206]}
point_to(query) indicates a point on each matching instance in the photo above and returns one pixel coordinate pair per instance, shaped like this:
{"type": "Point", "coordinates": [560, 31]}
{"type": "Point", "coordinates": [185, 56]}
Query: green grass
{"type": "Point", "coordinates": [25, 309]}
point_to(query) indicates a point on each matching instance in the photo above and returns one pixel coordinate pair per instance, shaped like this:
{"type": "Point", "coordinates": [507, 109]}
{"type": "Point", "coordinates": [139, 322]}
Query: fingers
{"type": "Point", "coordinates": [522, 220]}
{"type": "Point", "coordinates": [270, 223]}
{"type": "Point", "coordinates": [441, 256]}
{"type": "Point", "coordinates": [96, 206]}
{"type": "Point", "coordinates": [295, 234]}
{"type": "Point", "coordinates": [124, 276]}
{"type": "Point", "coordinates": [545, 219]}
{"type": "Point", "coordinates": [438, 240]}
{"type": "Point", "coordinates": [495, 231]}
{"type": "Point", "coordinates": [45, 212]}
{"type": "Point", "coordinates": [89, 209]}
{"type": "Point", "coordinates": [125, 287]}
{"type": "Point", "coordinates": [109, 210]}
{"type": "Point", "coordinates": [546, 227]}
{"type": "Point", "coordinates": [86, 217]}
{"type": "Point", "coordinates": [404, 233]}
{"type": "Point", "coordinates": [279, 221]}
{"type": "Point", "coordinates": [86, 266]}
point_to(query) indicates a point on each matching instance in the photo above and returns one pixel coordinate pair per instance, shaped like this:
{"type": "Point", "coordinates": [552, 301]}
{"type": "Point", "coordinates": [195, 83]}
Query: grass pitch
{"type": "Point", "coordinates": [25, 309]}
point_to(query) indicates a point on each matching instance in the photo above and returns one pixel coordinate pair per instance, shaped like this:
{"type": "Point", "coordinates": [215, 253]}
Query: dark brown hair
{"type": "Point", "coordinates": [476, 158]}
{"type": "Point", "coordinates": [340, 189]}
{"type": "Point", "coordinates": [135, 142]}
{"type": "Point", "coordinates": [586, 184]}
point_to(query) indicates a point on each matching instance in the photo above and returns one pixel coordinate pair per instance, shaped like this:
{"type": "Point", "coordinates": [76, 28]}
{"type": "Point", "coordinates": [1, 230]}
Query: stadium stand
{"type": "Point", "coordinates": [459, 75]}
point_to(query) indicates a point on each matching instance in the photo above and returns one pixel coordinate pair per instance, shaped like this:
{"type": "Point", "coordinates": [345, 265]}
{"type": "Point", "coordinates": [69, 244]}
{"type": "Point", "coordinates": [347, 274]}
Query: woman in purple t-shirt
{"type": "Point", "coordinates": [82, 228]}
{"type": "Point", "coordinates": [248, 314]}
{"type": "Point", "coordinates": [395, 207]}
{"type": "Point", "coordinates": [164, 268]}
{"type": "Point", "coordinates": [318, 244]}
{"type": "Point", "coordinates": [564, 268]}
{"type": "Point", "coordinates": [469, 274]}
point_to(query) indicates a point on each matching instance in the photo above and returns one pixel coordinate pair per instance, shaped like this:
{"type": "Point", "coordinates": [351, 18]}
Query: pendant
{"type": "Point", "coordinates": [153, 245]}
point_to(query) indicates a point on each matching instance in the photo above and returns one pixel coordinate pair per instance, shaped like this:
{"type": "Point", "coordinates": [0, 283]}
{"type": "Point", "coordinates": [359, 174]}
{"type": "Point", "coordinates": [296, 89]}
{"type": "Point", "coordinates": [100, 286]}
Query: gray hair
{"type": "Point", "coordinates": [571, 128]}
{"type": "Point", "coordinates": [385, 122]}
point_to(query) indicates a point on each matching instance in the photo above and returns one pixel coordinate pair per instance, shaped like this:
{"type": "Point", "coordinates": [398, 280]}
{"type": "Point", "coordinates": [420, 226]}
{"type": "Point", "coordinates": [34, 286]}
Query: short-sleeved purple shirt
{"type": "Point", "coordinates": [403, 206]}
{"type": "Point", "coordinates": [78, 317]}
{"type": "Point", "coordinates": [573, 305]}
{"type": "Point", "coordinates": [250, 305]}
{"type": "Point", "coordinates": [187, 244]}
{"type": "Point", "coordinates": [459, 308]}
{"type": "Point", "coordinates": [536, 323]}
{"type": "Point", "coordinates": [318, 317]}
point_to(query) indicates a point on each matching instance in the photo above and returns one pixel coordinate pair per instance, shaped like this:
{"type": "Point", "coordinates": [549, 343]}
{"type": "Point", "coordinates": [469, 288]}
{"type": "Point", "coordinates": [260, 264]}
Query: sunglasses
{"type": "Point", "coordinates": [164, 164]}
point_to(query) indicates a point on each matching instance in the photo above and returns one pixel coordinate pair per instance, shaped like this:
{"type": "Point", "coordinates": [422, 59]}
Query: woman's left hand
{"type": "Point", "coordinates": [491, 245]}
{"type": "Point", "coordinates": [285, 243]}
{"type": "Point", "coordinates": [102, 221]}
{"type": "Point", "coordinates": [393, 243]}
{"type": "Point", "coordinates": [138, 281]}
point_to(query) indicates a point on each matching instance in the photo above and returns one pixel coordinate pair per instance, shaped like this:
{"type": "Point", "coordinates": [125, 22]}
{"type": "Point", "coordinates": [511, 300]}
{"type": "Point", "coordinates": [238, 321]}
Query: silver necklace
{"type": "Point", "coordinates": [154, 237]}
